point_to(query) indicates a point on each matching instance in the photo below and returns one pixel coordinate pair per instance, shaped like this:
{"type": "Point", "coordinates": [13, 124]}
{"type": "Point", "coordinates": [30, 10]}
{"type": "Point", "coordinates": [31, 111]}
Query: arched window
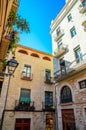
{"type": "Point", "coordinates": [66, 95]}
{"type": "Point", "coordinates": [35, 55]}
{"type": "Point", "coordinates": [46, 58]}
{"type": "Point", "coordinates": [23, 52]}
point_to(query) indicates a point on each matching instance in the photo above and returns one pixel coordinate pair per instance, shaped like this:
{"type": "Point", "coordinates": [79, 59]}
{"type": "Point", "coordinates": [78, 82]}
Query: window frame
{"type": "Point", "coordinates": [27, 70]}
{"type": "Point", "coordinates": [78, 57]}
{"type": "Point", "coordinates": [73, 32]}
{"type": "Point", "coordinates": [60, 44]}
{"type": "Point", "coordinates": [80, 85]}
{"type": "Point", "coordinates": [67, 96]}
{"type": "Point", "coordinates": [49, 94]}
{"type": "Point", "coordinates": [22, 90]}
{"type": "Point", "coordinates": [48, 75]}
{"type": "Point", "coordinates": [69, 17]}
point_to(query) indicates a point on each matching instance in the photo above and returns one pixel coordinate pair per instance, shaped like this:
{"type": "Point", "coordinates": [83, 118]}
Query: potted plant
{"type": "Point", "coordinates": [84, 23]}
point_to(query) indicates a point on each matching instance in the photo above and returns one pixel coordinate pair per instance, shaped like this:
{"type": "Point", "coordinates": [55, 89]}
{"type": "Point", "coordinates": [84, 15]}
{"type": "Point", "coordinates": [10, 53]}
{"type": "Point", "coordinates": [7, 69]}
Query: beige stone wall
{"type": "Point", "coordinates": [37, 87]}
{"type": "Point", "coordinates": [79, 101]}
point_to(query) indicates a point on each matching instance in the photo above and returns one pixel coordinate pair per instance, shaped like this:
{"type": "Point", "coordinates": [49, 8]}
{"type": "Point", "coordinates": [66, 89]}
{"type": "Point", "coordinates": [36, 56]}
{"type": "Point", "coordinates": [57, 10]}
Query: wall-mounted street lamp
{"type": "Point", "coordinates": [12, 64]}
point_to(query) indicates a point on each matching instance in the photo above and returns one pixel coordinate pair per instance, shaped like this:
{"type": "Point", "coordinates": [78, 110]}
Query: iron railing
{"type": "Point", "coordinates": [26, 76]}
{"type": "Point", "coordinates": [48, 106]}
{"type": "Point", "coordinates": [24, 106]}
{"type": "Point", "coordinates": [71, 67]}
{"type": "Point", "coordinates": [49, 80]}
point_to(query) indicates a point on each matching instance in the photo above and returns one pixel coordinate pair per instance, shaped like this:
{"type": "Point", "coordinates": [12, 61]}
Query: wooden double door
{"type": "Point", "coordinates": [68, 119]}
{"type": "Point", "coordinates": [22, 124]}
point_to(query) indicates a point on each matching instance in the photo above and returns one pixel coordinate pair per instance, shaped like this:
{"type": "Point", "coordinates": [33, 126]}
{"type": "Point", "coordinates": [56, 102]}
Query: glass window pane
{"type": "Point", "coordinates": [49, 98]}
{"type": "Point", "coordinates": [25, 95]}
{"type": "Point", "coordinates": [78, 54]}
{"type": "Point", "coordinates": [73, 32]}
{"type": "Point", "coordinates": [66, 95]}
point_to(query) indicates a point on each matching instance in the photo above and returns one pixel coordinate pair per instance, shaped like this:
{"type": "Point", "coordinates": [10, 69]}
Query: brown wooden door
{"type": "Point", "coordinates": [68, 119]}
{"type": "Point", "coordinates": [22, 124]}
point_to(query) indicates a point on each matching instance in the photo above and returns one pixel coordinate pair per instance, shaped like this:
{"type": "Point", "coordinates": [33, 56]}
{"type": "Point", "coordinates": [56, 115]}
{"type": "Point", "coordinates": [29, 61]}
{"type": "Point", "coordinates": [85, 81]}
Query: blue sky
{"type": "Point", "coordinates": [39, 14]}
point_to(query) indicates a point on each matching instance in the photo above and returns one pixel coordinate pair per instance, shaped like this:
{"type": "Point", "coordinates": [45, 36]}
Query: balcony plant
{"type": "Point", "coordinates": [84, 23]}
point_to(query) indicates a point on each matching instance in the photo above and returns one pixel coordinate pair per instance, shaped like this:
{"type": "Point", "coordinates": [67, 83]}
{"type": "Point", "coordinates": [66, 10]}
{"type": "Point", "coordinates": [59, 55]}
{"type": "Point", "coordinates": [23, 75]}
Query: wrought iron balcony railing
{"type": "Point", "coordinates": [24, 106]}
{"type": "Point", "coordinates": [73, 67]}
{"type": "Point", "coordinates": [48, 106]}
{"type": "Point", "coordinates": [26, 76]}
{"type": "Point", "coordinates": [60, 51]}
{"type": "Point", "coordinates": [49, 80]}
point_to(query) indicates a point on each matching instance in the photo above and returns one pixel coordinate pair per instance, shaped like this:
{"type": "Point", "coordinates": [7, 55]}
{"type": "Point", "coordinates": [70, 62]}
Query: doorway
{"type": "Point", "coordinates": [68, 119]}
{"type": "Point", "coordinates": [22, 124]}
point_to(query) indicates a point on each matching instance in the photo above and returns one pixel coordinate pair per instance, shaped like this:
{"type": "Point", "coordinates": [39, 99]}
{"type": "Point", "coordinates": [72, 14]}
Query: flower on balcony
{"type": "Point", "coordinates": [53, 107]}
{"type": "Point", "coordinates": [84, 23]}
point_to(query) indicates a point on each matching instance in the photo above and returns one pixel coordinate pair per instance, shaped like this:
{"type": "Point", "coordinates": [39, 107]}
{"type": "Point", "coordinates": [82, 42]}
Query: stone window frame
{"type": "Point", "coordinates": [78, 84]}
{"type": "Point", "coordinates": [59, 88]}
{"type": "Point", "coordinates": [66, 95]}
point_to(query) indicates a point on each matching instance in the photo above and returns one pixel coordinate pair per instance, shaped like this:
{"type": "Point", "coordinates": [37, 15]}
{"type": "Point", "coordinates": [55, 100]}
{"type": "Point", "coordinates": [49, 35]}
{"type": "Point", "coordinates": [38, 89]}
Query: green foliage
{"type": "Point", "coordinates": [21, 24]}
{"type": "Point", "coordinates": [11, 19]}
{"type": "Point", "coordinates": [16, 21]}
{"type": "Point", "coordinates": [4, 64]}
{"type": "Point", "coordinates": [17, 24]}
{"type": "Point", "coordinates": [13, 43]}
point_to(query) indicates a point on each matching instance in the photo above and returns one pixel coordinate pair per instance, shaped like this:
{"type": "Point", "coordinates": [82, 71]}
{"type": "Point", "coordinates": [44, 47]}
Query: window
{"type": "Point", "coordinates": [1, 86]}
{"type": "Point", "coordinates": [69, 17]}
{"type": "Point", "coordinates": [60, 44]}
{"type": "Point", "coordinates": [48, 99]}
{"type": "Point", "coordinates": [27, 71]}
{"type": "Point", "coordinates": [62, 66]}
{"type": "Point", "coordinates": [23, 52]}
{"type": "Point", "coordinates": [73, 31]}
{"type": "Point", "coordinates": [82, 84]}
{"type": "Point", "coordinates": [46, 58]}
{"type": "Point", "coordinates": [66, 95]}
{"type": "Point", "coordinates": [25, 96]}
{"type": "Point", "coordinates": [78, 54]}
{"type": "Point", "coordinates": [48, 75]}
{"type": "Point", "coordinates": [35, 55]}
{"type": "Point", "coordinates": [84, 3]}
{"type": "Point", "coordinates": [58, 31]}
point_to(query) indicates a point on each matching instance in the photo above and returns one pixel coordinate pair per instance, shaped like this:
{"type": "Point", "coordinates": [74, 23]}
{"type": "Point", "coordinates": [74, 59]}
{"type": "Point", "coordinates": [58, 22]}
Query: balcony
{"type": "Point", "coordinates": [49, 80]}
{"type": "Point", "coordinates": [73, 68]}
{"type": "Point", "coordinates": [26, 76]}
{"type": "Point", "coordinates": [60, 51]}
{"type": "Point", "coordinates": [58, 35]}
{"type": "Point", "coordinates": [15, 4]}
{"type": "Point", "coordinates": [48, 107]}
{"type": "Point", "coordinates": [24, 106]}
{"type": "Point", "coordinates": [4, 47]}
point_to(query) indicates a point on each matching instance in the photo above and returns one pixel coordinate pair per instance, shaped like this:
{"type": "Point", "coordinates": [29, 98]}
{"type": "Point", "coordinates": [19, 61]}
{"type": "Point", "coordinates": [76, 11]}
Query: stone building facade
{"type": "Point", "coordinates": [31, 96]}
{"type": "Point", "coordinates": [5, 8]}
{"type": "Point", "coordinates": [68, 31]}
